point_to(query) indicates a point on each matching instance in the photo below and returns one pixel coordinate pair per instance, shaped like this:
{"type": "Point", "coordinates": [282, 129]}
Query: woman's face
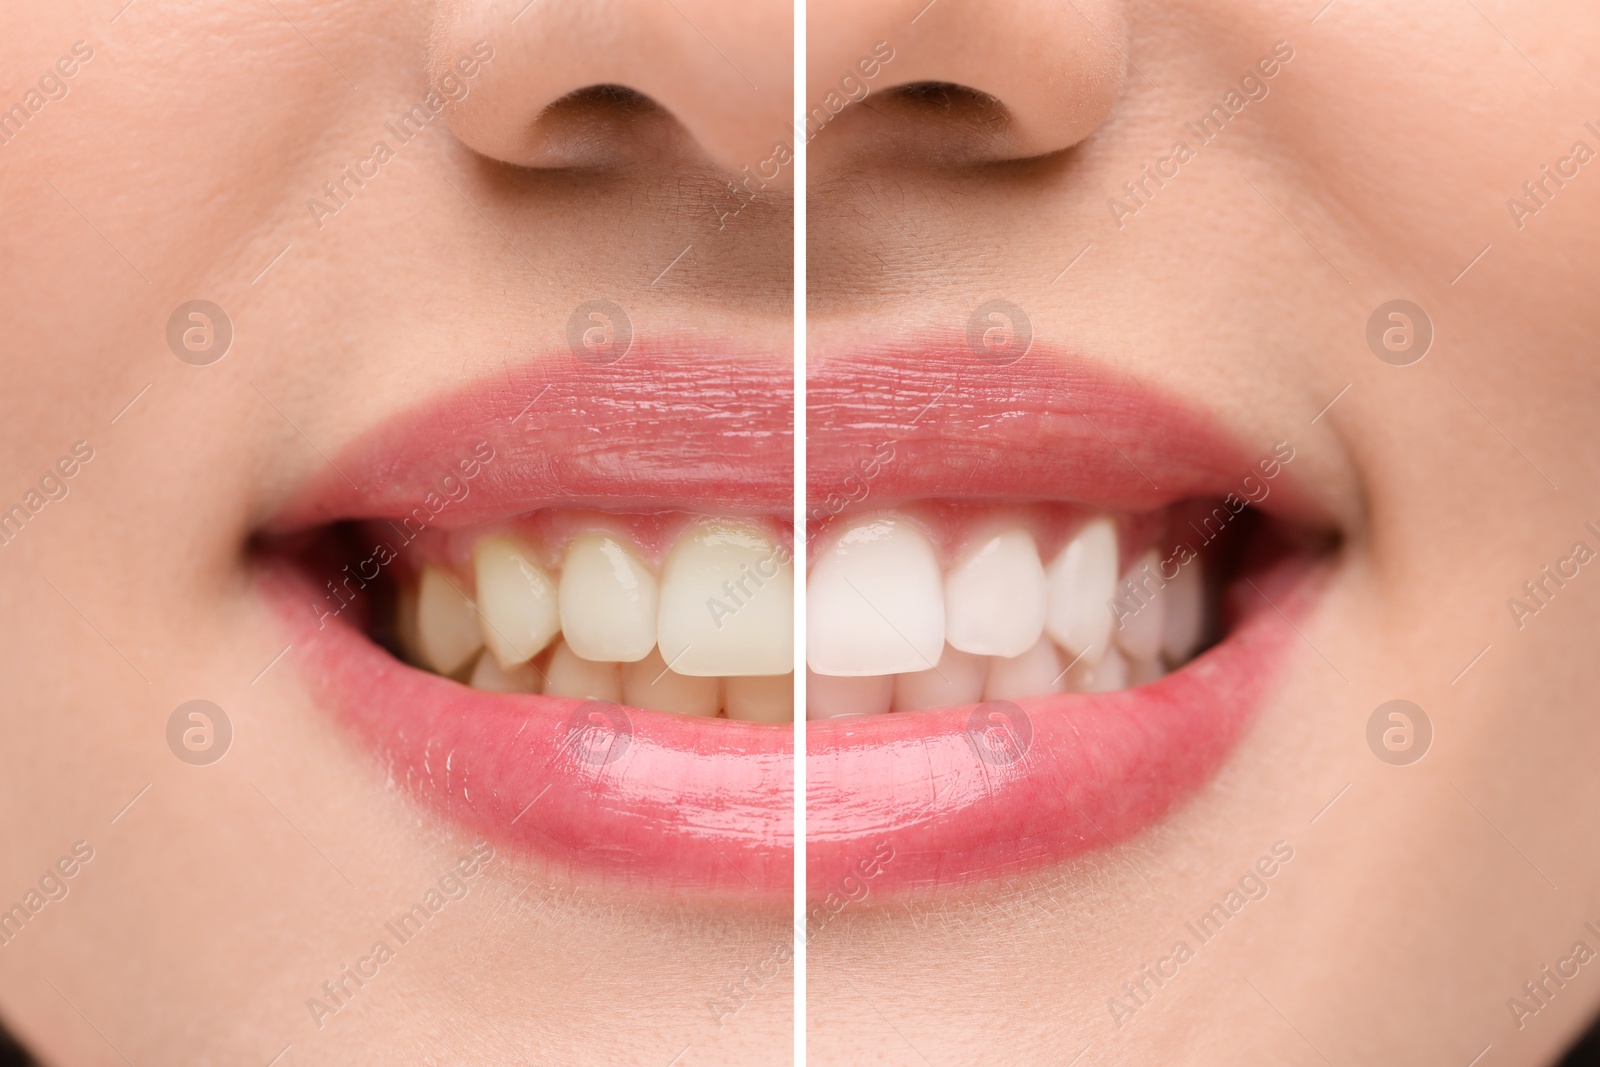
{"type": "Point", "coordinates": [274, 280]}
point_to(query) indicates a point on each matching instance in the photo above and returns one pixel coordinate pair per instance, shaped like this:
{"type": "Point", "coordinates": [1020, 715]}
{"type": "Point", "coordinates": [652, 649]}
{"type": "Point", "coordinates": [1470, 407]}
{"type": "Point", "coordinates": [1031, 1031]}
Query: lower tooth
{"type": "Point", "coordinates": [760, 698]}
{"type": "Point", "coordinates": [957, 679]}
{"type": "Point", "coordinates": [490, 677]}
{"type": "Point", "coordinates": [647, 683]}
{"type": "Point", "coordinates": [1185, 617]}
{"type": "Point", "coordinates": [830, 697]}
{"type": "Point", "coordinates": [1107, 676]}
{"type": "Point", "coordinates": [447, 622]}
{"type": "Point", "coordinates": [569, 675]}
{"type": "Point", "coordinates": [1141, 671]}
{"type": "Point", "coordinates": [1035, 672]}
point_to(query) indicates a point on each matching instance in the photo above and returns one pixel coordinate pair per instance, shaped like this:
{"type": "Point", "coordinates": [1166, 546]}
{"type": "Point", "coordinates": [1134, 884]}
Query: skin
{"type": "Point", "coordinates": [1381, 160]}
{"type": "Point", "coordinates": [182, 159]}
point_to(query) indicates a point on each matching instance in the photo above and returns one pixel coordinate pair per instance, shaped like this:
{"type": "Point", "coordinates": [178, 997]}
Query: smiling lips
{"type": "Point", "coordinates": [592, 567]}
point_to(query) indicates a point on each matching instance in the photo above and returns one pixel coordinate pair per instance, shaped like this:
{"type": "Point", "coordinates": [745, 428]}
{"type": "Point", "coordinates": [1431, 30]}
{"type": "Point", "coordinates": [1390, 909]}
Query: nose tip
{"type": "Point", "coordinates": [581, 84]}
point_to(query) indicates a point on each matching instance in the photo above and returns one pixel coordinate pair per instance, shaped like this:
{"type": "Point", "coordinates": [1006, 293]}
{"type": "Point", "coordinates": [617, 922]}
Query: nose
{"type": "Point", "coordinates": [581, 83]}
{"type": "Point", "coordinates": [969, 81]}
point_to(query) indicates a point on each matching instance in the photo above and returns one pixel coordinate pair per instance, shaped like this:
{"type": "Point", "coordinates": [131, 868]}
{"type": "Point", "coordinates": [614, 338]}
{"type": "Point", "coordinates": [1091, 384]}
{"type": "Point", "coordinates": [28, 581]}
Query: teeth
{"type": "Point", "coordinates": [1107, 676]}
{"type": "Point", "coordinates": [830, 696]}
{"type": "Point", "coordinates": [489, 676]}
{"type": "Point", "coordinates": [876, 603]}
{"type": "Point", "coordinates": [447, 622]}
{"type": "Point", "coordinates": [1142, 671]}
{"type": "Point", "coordinates": [1036, 671]}
{"type": "Point", "coordinates": [647, 683]}
{"type": "Point", "coordinates": [608, 601]}
{"type": "Point", "coordinates": [517, 599]}
{"type": "Point", "coordinates": [1185, 619]}
{"type": "Point", "coordinates": [958, 679]}
{"type": "Point", "coordinates": [760, 699]}
{"type": "Point", "coordinates": [727, 603]}
{"type": "Point", "coordinates": [1139, 630]}
{"type": "Point", "coordinates": [994, 600]}
{"type": "Point", "coordinates": [569, 675]}
{"type": "Point", "coordinates": [1082, 579]}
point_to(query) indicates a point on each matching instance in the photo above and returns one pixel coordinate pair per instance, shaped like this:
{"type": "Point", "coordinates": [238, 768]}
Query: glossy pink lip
{"type": "Point", "coordinates": [966, 793]}
{"type": "Point", "coordinates": [650, 798]}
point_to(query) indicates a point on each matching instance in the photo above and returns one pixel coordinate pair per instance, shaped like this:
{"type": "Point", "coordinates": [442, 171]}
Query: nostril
{"type": "Point", "coordinates": [945, 122]}
{"type": "Point", "coordinates": [596, 126]}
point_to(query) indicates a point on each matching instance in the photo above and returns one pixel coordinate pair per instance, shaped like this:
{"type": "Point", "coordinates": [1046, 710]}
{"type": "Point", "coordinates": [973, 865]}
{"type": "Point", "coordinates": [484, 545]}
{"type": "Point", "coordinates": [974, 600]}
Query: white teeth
{"type": "Point", "coordinates": [447, 622]}
{"type": "Point", "coordinates": [876, 603]}
{"type": "Point", "coordinates": [517, 599]}
{"type": "Point", "coordinates": [1082, 579]}
{"type": "Point", "coordinates": [830, 696]}
{"type": "Point", "coordinates": [764, 699]}
{"type": "Point", "coordinates": [647, 683]}
{"type": "Point", "coordinates": [994, 599]}
{"type": "Point", "coordinates": [727, 603]}
{"type": "Point", "coordinates": [958, 679]}
{"type": "Point", "coordinates": [1143, 611]}
{"type": "Point", "coordinates": [1185, 619]}
{"type": "Point", "coordinates": [1107, 676]}
{"type": "Point", "coordinates": [1036, 671]}
{"type": "Point", "coordinates": [608, 600]}
{"type": "Point", "coordinates": [489, 676]}
{"type": "Point", "coordinates": [1141, 671]}
{"type": "Point", "coordinates": [569, 675]}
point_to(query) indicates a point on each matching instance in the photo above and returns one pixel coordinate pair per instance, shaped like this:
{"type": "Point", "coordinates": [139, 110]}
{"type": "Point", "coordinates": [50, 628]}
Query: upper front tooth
{"type": "Point", "coordinates": [1185, 618]}
{"type": "Point", "coordinates": [876, 603]}
{"type": "Point", "coordinates": [727, 603]}
{"type": "Point", "coordinates": [517, 599]}
{"type": "Point", "coordinates": [1144, 601]}
{"type": "Point", "coordinates": [608, 600]}
{"type": "Point", "coordinates": [994, 599]}
{"type": "Point", "coordinates": [1082, 580]}
{"type": "Point", "coordinates": [447, 622]}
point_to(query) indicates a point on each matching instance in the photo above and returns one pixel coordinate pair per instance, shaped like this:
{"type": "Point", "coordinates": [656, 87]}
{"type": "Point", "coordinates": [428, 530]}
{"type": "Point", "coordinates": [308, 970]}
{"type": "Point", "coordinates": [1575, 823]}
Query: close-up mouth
{"type": "Point", "coordinates": [1043, 603]}
{"type": "Point", "coordinates": [559, 606]}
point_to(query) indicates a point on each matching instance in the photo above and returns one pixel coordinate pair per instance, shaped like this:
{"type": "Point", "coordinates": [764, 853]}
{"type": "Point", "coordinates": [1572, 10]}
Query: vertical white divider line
{"type": "Point", "coordinates": [800, 549]}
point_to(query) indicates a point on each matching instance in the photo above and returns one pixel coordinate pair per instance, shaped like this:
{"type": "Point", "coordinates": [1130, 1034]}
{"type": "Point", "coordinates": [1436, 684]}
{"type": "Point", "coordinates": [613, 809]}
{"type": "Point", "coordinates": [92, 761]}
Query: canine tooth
{"type": "Point", "coordinates": [957, 679]}
{"type": "Point", "coordinates": [516, 601]}
{"type": "Point", "coordinates": [830, 696]}
{"type": "Point", "coordinates": [447, 622]}
{"type": "Point", "coordinates": [489, 676]}
{"type": "Point", "coordinates": [608, 600]}
{"type": "Point", "coordinates": [1035, 672]}
{"type": "Point", "coordinates": [994, 599]}
{"type": "Point", "coordinates": [405, 624]}
{"type": "Point", "coordinates": [647, 683]}
{"type": "Point", "coordinates": [760, 698]}
{"type": "Point", "coordinates": [727, 603]}
{"type": "Point", "coordinates": [1139, 630]}
{"type": "Point", "coordinates": [570, 675]}
{"type": "Point", "coordinates": [1081, 579]}
{"type": "Point", "coordinates": [1185, 618]}
{"type": "Point", "coordinates": [876, 603]}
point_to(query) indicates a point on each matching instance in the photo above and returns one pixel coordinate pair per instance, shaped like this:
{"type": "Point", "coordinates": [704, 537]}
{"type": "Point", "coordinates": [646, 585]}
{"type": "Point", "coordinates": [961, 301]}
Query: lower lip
{"type": "Point", "coordinates": [910, 800]}
{"type": "Point", "coordinates": [945, 797]}
{"type": "Point", "coordinates": [647, 798]}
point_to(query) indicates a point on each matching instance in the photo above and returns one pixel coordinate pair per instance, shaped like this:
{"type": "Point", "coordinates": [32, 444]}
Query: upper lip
{"type": "Point", "coordinates": [674, 426]}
